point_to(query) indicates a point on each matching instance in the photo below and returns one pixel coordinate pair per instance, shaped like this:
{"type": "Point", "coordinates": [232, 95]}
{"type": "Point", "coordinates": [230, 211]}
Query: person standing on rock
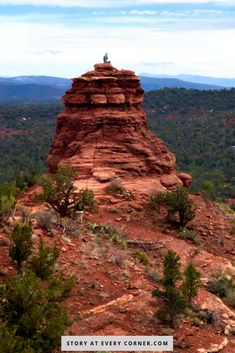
{"type": "Point", "coordinates": [105, 58]}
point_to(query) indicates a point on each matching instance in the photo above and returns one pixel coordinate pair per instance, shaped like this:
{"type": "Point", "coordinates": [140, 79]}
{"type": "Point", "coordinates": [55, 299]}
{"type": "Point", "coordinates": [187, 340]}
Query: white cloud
{"type": "Point", "coordinates": [127, 20]}
{"type": "Point", "coordinates": [49, 44]}
{"type": "Point", "coordinates": [143, 2]}
{"type": "Point", "coordinates": [143, 12]}
{"type": "Point", "coordinates": [98, 13]}
{"type": "Point", "coordinates": [165, 21]}
{"type": "Point", "coordinates": [107, 3]}
{"type": "Point", "coordinates": [157, 64]}
{"type": "Point", "coordinates": [45, 52]}
{"type": "Point", "coordinates": [28, 49]}
{"type": "Point", "coordinates": [189, 13]}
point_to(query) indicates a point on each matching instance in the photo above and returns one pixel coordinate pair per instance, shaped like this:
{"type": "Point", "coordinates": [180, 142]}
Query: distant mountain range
{"type": "Point", "coordinates": [216, 81]}
{"type": "Point", "coordinates": [33, 88]}
{"type": "Point", "coordinates": [150, 83]}
{"type": "Point", "coordinates": [39, 80]}
{"type": "Point", "coordinates": [47, 88]}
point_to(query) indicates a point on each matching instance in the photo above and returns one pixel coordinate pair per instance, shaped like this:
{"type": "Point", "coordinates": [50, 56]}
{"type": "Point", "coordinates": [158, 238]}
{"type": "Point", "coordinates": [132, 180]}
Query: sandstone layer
{"type": "Point", "coordinates": [103, 131]}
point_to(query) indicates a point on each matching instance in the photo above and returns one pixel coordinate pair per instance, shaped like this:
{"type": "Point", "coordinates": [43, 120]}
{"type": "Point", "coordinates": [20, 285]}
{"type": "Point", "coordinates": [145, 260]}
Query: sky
{"type": "Point", "coordinates": [65, 38]}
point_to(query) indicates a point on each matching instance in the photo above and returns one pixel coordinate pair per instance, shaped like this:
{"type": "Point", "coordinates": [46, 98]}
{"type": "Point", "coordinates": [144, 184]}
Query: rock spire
{"type": "Point", "coordinates": [103, 131]}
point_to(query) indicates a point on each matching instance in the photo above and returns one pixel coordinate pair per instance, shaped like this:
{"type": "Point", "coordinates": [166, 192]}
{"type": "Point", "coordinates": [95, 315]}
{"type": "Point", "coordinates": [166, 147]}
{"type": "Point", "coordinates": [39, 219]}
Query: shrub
{"type": "Point", "coordinates": [12, 343]}
{"type": "Point", "coordinates": [25, 179]}
{"type": "Point", "coordinates": [167, 331]}
{"type": "Point", "coordinates": [173, 301]}
{"type": "Point", "coordinates": [197, 322]}
{"type": "Point", "coordinates": [43, 263]}
{"type": "Point", "coordinates": [142, 257]}
{"type": "Point", "coordinates": [220, 284]}
{"type": "Point", "coordinates": [21, 244]}
{"type": "Point", "coordinates": [46, 220]}
{"type": "Point", "coordinates": [110, 232]}
{"type": "Point", "coordinates": [116, 188]}
{"type": "Point", "coordinates": [208, 189]}
{"type": "Point", "coordinates": [202, 315]}
{"type": "Point", "coordinates": [189, 312]}
{"type": "Point", "coordinates": [155, 201]}
{"type": "Point", "coordinates": [153, 275]}
{"type": "Point", "coordinates": [87, 198]}
{"type": "Point", "coordinates": [24, 213]}
{"type": "Point", "coordinates": [118, 258]}
{"type": "Point", "coordinates": [7, 201]}
{"type": "Point", "coordinates": [171, 269]}
{"type": "Point", "coordinates": [230, 298]}
{"type": "Point", "coordinates": [58, 190]}
{"type": "Point", "coordinates": [189, 235]}
{"type": "Point", "coordinates": [213, 318]}
{"type": "Point", "coordinates": [176, 202]}
{"type": "Point", "coordinates": [33, 315]}
{"type": "Point", "coordinates": [191, 283]}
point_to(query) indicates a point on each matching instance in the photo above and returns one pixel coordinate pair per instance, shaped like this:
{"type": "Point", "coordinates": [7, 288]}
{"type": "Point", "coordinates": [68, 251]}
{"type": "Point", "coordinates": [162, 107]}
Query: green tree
{"type": "Point", "coordinates": [173, 301]}
{"type": "Point", "coordinates": [208, 189]}
{"type": "Point", "coordinates": [191, 283]}
{"type": "Point", "coordinates": [43, 263]}
{"type": "Point", "coordinates": [21, 244]}
{"type": "Point", "coordinates": [32, 313]}
{"type": "Point", "coordinates": [25, 179]}
{"type": "Point", "coordinates": [171, 270]}
{"type": "Point", "coordinates": [87, 198]}
{"type": "Point", "coordinates": [11, 343]}
{"type": "Point", "coordinates": [176, 202]}
{"type": "Point", "coordinates": [7, 201]}
{"type": "Point", "coordinates": [58, 190]}
{"type": "Point", "coordinates": [196, 125]}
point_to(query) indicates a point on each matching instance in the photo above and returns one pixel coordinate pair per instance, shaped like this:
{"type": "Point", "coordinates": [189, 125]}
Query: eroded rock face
{"type": "Point", "coordinates": [104, 130]}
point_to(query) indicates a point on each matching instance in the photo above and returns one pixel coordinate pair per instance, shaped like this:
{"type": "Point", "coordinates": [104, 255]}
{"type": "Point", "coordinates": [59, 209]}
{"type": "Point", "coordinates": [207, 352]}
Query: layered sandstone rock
{"type": "Point", "coordinates": [103, 131]}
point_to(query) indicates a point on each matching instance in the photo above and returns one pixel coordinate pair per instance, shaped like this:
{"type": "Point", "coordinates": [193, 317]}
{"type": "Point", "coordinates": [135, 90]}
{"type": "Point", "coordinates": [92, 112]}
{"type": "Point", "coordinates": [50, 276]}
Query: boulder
{"type": "Point", "coordinates": [185, 178]}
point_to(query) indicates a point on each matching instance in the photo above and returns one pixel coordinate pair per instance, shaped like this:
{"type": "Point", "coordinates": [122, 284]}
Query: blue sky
{"type": "Point", "coordinates": [67, 37]}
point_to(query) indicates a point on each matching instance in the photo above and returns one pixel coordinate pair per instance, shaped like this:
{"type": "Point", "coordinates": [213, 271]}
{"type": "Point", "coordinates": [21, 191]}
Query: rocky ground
{"type": "Point", "coordinates": [112, 295]}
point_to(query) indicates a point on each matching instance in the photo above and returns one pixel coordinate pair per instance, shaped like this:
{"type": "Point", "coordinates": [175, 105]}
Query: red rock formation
{"type": "Point", "coordinates": [103, 131]}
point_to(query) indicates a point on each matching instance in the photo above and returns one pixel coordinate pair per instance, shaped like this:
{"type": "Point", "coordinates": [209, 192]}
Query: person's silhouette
{"type": "Point", "coordinates": [105, 58]}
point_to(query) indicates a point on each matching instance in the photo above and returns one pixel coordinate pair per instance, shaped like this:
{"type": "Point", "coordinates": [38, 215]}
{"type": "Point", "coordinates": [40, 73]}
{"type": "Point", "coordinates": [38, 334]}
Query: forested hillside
{"type": "Point", "coordinates": [26, 131]}
{"type": "Point", "coordinates": [198, 126]}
